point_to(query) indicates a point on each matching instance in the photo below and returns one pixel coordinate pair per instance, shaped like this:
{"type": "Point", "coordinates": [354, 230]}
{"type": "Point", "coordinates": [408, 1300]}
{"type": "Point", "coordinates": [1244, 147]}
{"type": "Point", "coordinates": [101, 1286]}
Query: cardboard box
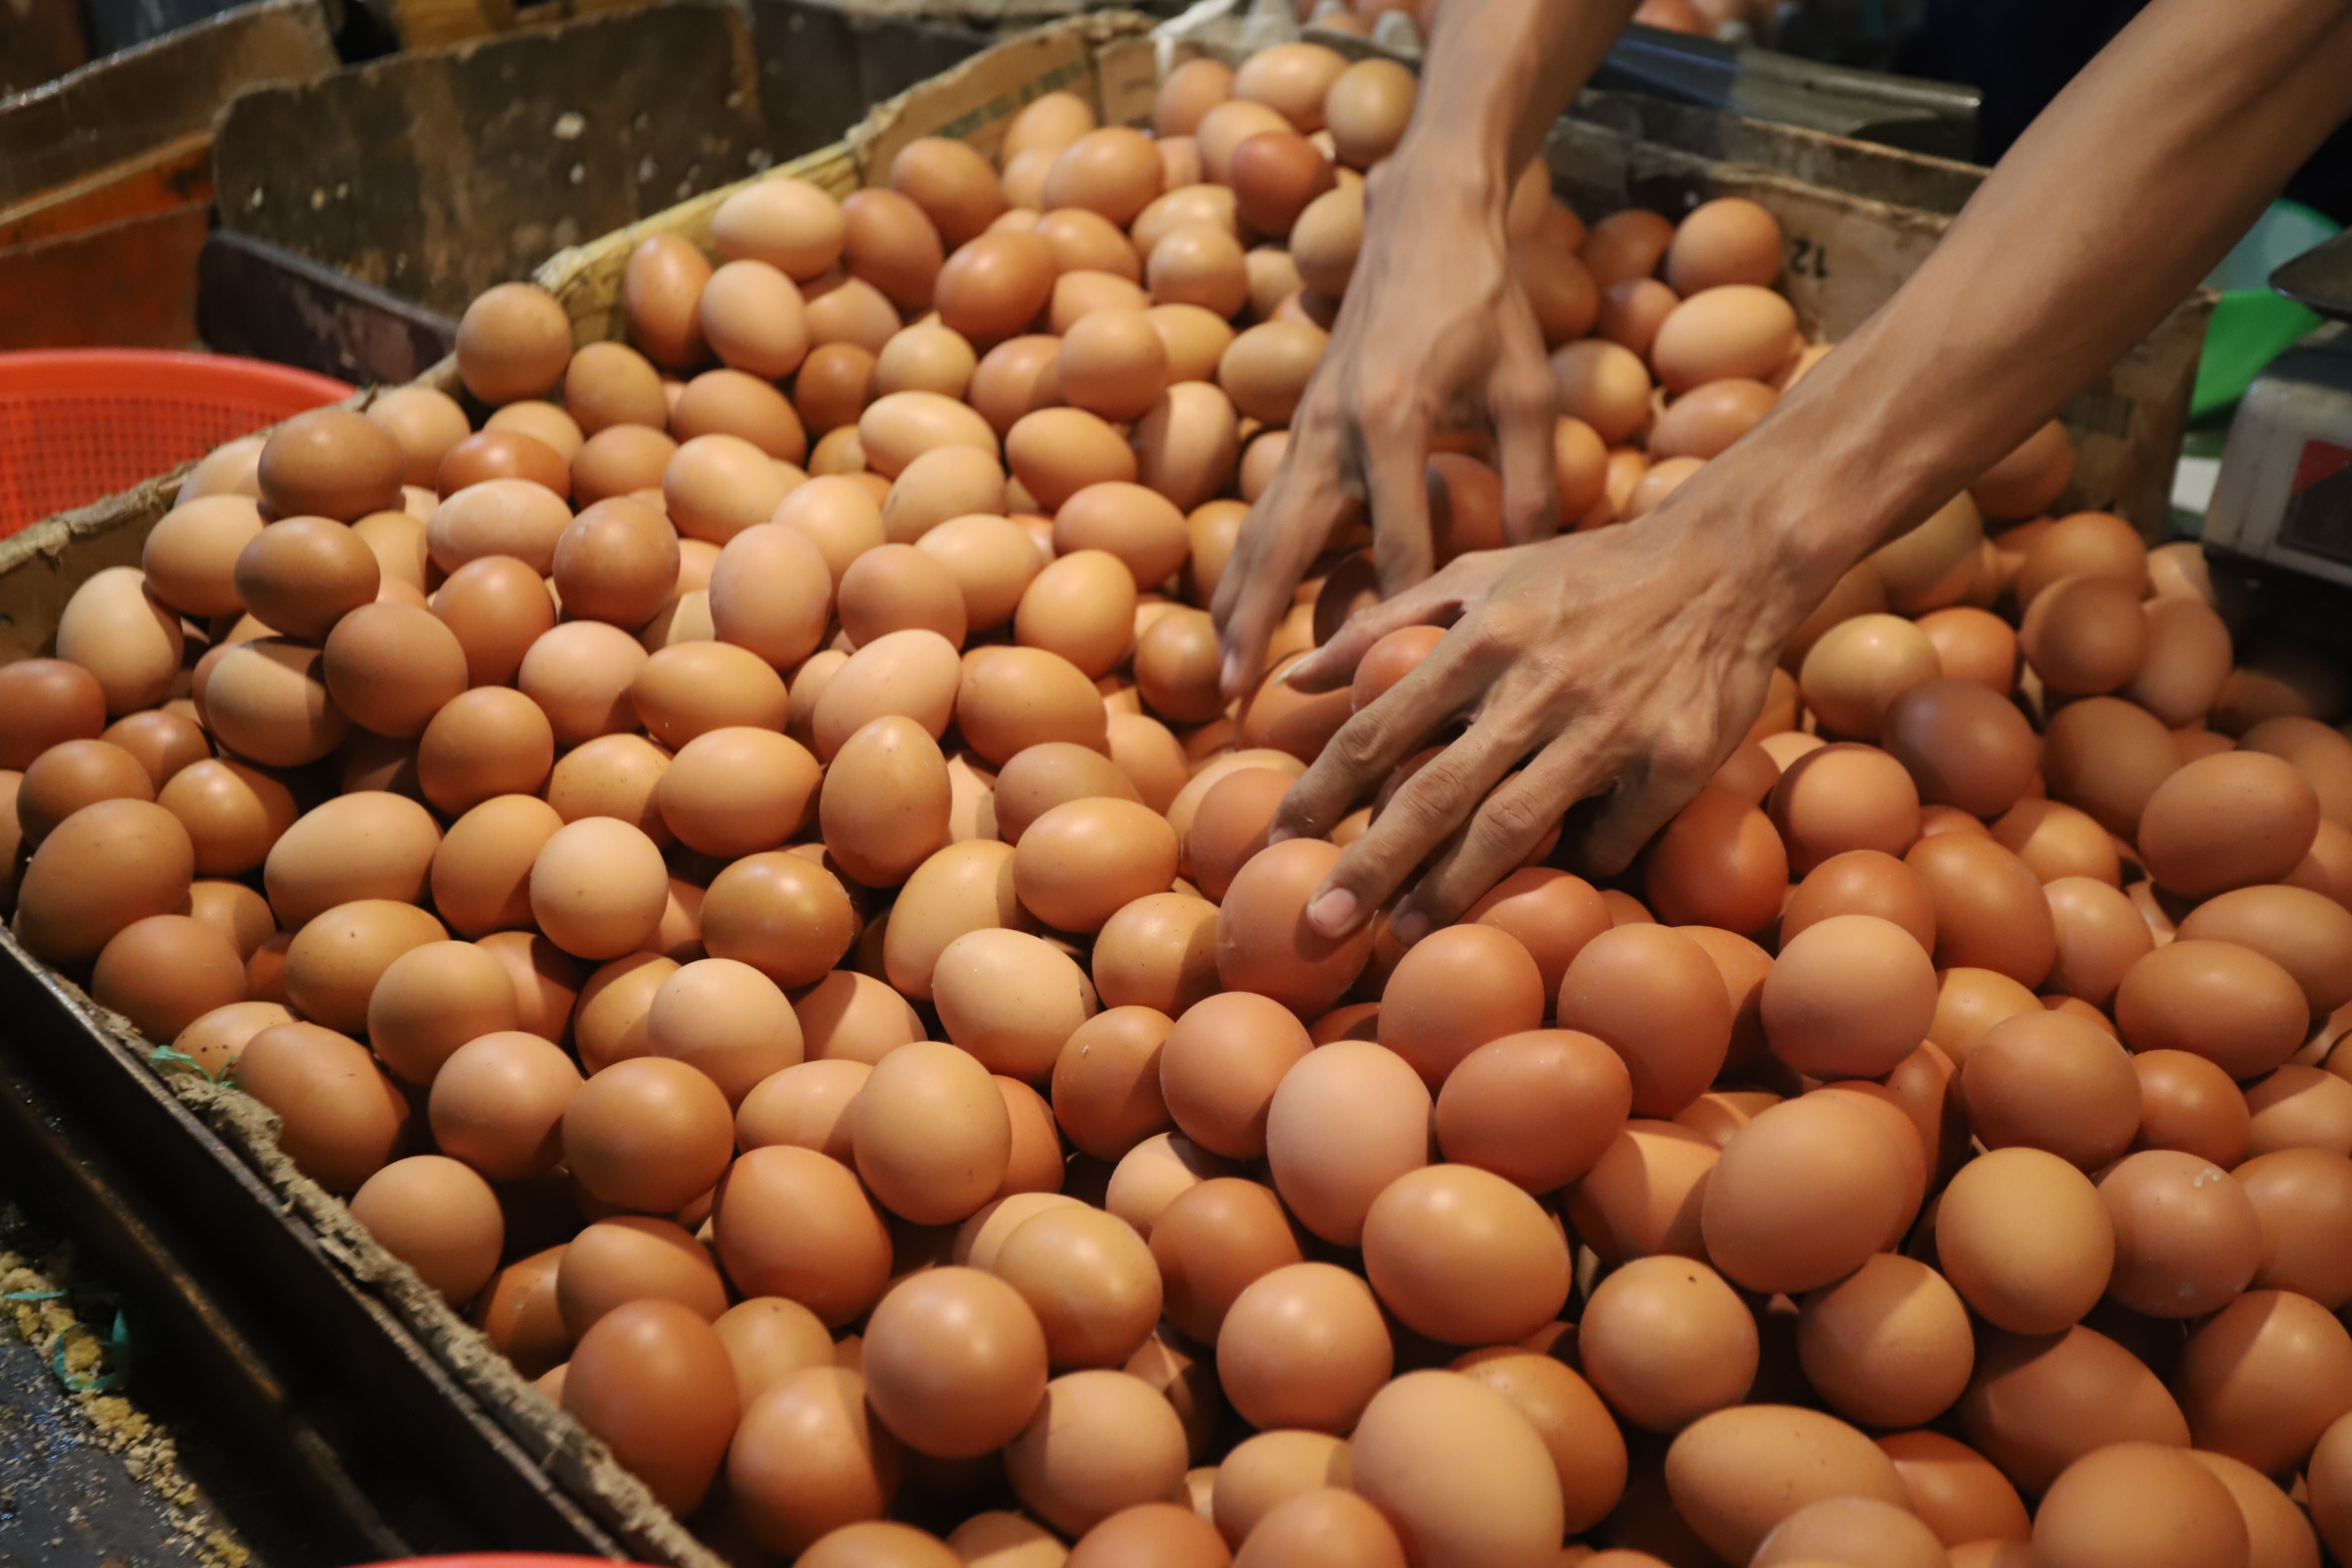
{"type": "Point", "coordinates": [1849, 250]}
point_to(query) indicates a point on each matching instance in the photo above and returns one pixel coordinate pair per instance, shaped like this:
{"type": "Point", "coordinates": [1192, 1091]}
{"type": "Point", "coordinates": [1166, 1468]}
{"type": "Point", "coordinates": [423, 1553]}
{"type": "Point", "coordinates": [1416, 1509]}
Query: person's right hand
{"type": "Point", "coordinates": [1435, 332]}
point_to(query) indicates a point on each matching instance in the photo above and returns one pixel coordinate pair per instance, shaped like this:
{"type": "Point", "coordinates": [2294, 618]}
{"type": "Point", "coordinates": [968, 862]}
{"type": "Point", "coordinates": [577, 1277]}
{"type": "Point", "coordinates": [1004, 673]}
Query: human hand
{"type": "Point", "coordinates": [1434, 332]}
{"type": "Point", "coordinates": [1622, 665]}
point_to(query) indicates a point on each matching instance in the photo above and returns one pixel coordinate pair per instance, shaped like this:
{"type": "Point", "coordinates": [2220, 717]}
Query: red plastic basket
{"type": "Point", "coordinates": [78, 424]}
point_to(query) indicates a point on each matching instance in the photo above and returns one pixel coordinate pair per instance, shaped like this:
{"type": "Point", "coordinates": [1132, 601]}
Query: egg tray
{"type": "Point", "coordinates": [540, 1477]}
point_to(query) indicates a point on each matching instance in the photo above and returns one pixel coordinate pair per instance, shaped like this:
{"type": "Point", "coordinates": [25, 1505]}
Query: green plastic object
{"type": "Point", "coordinates": [2251, 326]}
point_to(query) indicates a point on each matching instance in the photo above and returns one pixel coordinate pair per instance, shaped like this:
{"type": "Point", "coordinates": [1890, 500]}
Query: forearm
{"type": "Point", "coordinates": [2105, 213]}
{"type": "Point", "coordinates": [1497, 74]}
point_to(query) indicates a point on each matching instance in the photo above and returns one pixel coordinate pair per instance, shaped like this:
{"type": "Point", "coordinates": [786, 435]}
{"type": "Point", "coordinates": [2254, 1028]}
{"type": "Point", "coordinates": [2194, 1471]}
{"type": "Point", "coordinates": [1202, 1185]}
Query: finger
{"type": "Point", "coordinates": [1644, 802]}
{"type": "Point", "coordinates": [1397, 467]}
{"type": "Point", "coordinates": [1436, 602]}
{"type": "Point", "coordinates": [1524, 400]}
{"type": "Point", "coordinates": [1433, 802]}
{"type": "Point", "coordinates": [1280, 537]}
{"type": "Point", "coordinates": [1501, 834]}
{"type": "Point", "coordinates": [1370, 745]}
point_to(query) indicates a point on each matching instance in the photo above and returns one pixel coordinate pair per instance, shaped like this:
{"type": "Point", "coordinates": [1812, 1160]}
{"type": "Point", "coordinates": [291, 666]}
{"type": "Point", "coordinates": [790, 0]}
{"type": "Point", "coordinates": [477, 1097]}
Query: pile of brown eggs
{"type": "Point", "coordinates": [780, 931]}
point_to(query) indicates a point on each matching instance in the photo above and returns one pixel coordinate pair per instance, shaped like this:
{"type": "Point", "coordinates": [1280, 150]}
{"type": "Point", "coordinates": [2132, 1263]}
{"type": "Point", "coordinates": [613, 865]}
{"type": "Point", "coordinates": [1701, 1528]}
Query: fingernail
{"type": "Point", "coordinates": [1278, 835]}
{"type": "Point", "coordinates": [1282, 676]}
{"type": "Point", "coordinates": [1332, 914]}
{"type": "Point", "coordinates": [1410, 927]}
{"type": "Point", "coordinates": [1230, 678]}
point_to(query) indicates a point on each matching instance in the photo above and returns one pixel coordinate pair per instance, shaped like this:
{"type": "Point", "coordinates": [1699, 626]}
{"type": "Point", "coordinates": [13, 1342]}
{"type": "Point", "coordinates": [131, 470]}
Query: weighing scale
{"type": "Point", "coordinates": [2278, 533]}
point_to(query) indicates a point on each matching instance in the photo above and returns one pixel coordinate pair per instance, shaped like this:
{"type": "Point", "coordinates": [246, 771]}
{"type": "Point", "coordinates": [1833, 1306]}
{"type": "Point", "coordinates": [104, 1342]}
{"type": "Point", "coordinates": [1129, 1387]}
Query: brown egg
{"type": "Point", "coordinates": [434, 999]}
{"type": "Point", "coordinates": [366, 846]}
{"type": "Point", "coordinates": [1366, 109]}
{"type": "Point", "coordinates": [267, 699]}
{"type": "Point", "coordinates": [652, 1379]}
{"type": "Point", "coordinates": [2086, 635]}
{"type": "Point", "coordinates": [660, 287]}
{"type": "Point", "coordinates": [1888, 1346]}
{"type": "Point", "coordinates": [1732, 329]}
{"type": "Point", "coordinates": [2186, 1239]}
{"type": "Point", "coordinates": [1329, 1182]}
{"type": "Point", "coordinates": [2299, 1107]}
{"type": "Point", "coordinates": [956, 1362]}
{"type": "Point", "coordinates": [1643, 1196]}
{"type": "Point", "coordinates": [2108, 757]}
{"type": "Point", "coordinates": [511, 450]}
{"type": "Point", "coordinates": [1665, 1340]}
{"type": "Point", "coordinates": [610, 1022]}
{"type": "Point", "coordinates": [789, 223]}
{"type": "Point", "coordinates": [439, 1218]}
{"type": "Point", "coordinates": [1188, 92]}
{"type": "Point", "coordinates": [1106, 1095]}
{"type": "Point", "coordinates": [893, 245]}
{"type": "Point", "coordinates": [2263, 1378]}
{"type": "Point", "coordinates": [804, 1106]}
{"type": "Point", "coordinates": [499, 609]}
{"type": "Point", "coordinates": [1537, 1108]}
{"type": "Point", "coordinates": [772, 592]}
{"type": "Point", "coordinates": [1963, 745]}
{"type": "Point", "coordinates": [1101, 1441]}
{"type": "Point", "coordinates": [2216, 1000]}
{"type": "Point", "coordinates": [2024, 1240]}
{"type": "Point", "coordinates": [1263, 942]}
{"type": "Point", "coordinates": [1840, 798]}
{"type": "Point", "coordinates": [340, 1118]}
{"type": "Point", "coordinates": [805, 1460]}
{"type": "Point", "coordinates": [1082, 861]}
{"type": "Point", "coordinates": [1727, 240]}
{"type": "Point", "coordinates": [2058, 842]}
{"type": "Point", "coordinates": [2137, 1502]}
{"type": "Point", "coordinates": [165, 971]}
{"type": "Point", "coordinates": [1851, 1528]}
{"type": "Point", "coordinates": [481, 869]}
{"type": "Point", "coordinates": [2227, 821]}
{"type": "Point", "coordinates": [1989, 909]}
{"type": "Point", "coordinates": [1804, 1194]}
{"type": "Point", "coordinates": [1646, 992]}
{"type": "Point", "coordinates": [1858, 667]}
{"type": "Point", "coordinates": [2100, 936]}
{"type": "Point", "coordinates": [618, 561]}
{"type": "Point", "coordinates": [2053, 1082]}
{"type": "Point", "coordinates": [598, 888]}
{"type": "Point", "coordinates": [512, 343]}
{"type": "Point", "coordinates": [1737, 1473]}
{"type": "Point", "coordinates": [1850, 996]}
{"type": "Point", "coordinates": [1159, 952]}
{"type": "Point", "coordinates": [848, 311]}
{"type": "Point", "coordinates": [391, 667]}
{"type": "Point", "coordinates": [792, 1222]}
{"type": "Point", "coordinates": [2189, 1104]}
{"type": "Point", "coordinates": [2303, 1200]}
{"type": "Point", "coordinates": [1210, 1240]}
{"type": "Point", "coordinates": [648, 1134]}
{"type": "Point", "coordinates": [1427, 1020]}
{"type": "Point", "coordinates": [1954, 1491]}
{"type": "Point", "coordinates": [1089, 1278]}
{"type": "Point", "coordinates": [1460, 1471]}
{"type": "Point", "coordinates": [483, 743]}
{"type": "Point", "coordinates": [498, 1103]}
{"type": "Point", "coordinates": [1463, 1255]}
{"type": "Point", "coordinates": [1304, 1347]}
{"type": "Point", "coordinates": [1220, 1067]}
{"type": "Point", "coordinates": [76, 773]}
{"type": "Point", "coordinates": [930, 1133]}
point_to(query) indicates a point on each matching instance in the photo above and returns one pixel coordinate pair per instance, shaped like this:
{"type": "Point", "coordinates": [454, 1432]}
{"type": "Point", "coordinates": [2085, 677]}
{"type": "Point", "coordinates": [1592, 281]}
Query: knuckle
{"type": "Point", "coordinates": [1512, 818]}
{"type": "Point", "coordinates": [1358, 746]}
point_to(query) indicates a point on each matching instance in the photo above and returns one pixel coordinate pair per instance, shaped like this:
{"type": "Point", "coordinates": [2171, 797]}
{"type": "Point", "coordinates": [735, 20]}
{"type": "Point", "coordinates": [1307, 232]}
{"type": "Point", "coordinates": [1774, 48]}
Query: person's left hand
{"type": "Point", "coordinates": [1624, 663]}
